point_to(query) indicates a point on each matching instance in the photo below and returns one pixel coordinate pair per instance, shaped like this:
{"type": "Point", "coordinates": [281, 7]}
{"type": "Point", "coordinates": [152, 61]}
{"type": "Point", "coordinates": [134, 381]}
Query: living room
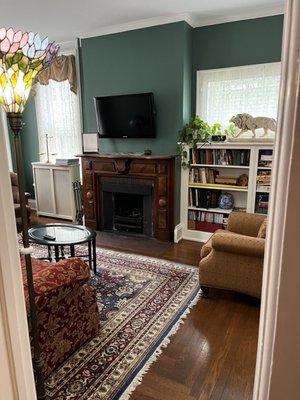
{"type": "Point", "coordinates": [141, 159]}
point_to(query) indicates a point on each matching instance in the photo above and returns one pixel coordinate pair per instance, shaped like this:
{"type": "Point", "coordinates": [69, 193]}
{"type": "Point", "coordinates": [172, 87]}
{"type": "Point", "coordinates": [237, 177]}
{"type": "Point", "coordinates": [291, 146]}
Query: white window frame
{"type": "Point", "coordinates": [201, 73]}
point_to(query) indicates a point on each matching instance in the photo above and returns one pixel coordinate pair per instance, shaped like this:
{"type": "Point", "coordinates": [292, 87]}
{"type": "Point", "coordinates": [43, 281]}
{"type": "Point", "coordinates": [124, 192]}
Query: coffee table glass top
{"type": "Point", "coordinates": [64, 234]}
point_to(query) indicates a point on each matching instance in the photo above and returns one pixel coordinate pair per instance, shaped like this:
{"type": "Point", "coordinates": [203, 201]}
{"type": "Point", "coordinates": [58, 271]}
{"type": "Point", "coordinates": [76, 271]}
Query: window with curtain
{"type": "Point", "coordinates": [58, 115]}
{"type": "Point", "coordinates": [223, 93]}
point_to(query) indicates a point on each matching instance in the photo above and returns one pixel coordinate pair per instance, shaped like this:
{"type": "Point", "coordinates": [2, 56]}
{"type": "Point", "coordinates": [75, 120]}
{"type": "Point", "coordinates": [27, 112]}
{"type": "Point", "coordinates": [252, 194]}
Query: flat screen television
{"type": "Point", "coordinates": [126, 116]}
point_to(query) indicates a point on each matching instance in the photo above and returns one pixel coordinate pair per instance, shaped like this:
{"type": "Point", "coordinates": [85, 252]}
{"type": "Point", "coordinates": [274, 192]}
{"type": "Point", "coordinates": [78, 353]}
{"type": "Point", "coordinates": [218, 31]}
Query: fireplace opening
{"type": "Point", "coordinates": [127, 206]}
{"type": "Point", "coordinates": [128, 213]}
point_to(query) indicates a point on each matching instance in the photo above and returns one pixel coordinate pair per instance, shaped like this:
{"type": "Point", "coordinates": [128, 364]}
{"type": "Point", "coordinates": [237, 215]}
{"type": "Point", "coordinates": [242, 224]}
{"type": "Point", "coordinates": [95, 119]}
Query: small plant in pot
{"type": "Point", "coordinates": [196, 131]}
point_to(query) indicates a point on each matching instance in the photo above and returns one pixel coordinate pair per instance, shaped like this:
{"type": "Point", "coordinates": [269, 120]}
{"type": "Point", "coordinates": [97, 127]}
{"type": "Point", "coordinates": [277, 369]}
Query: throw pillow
{"type": "Point", "coordinates": [262, 230]}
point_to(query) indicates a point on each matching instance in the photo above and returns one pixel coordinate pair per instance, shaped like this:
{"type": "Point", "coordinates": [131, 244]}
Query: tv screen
{"type": "Point", "coordinates": [126, 116]}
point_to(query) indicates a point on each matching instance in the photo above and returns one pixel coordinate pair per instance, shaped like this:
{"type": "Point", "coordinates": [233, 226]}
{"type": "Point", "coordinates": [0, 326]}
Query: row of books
{"type": "Point", "coordinates": [262, 203]}
{"type": "Point", "coordinates": [209, 175]}
{"type": "Point", "coordinates": [265, 158]}
{"type": "Point", "coordinates": [202, 175]}
{"type": "Point", "coordinates": [263, 180]}
{"type": "Point", "coordinates": [220, 157]}
{"type": "Point", "coordinates": [202, 198]}
{"type": "Point", "coordinates": [206, 216]}
{"type": "Point", "coordinates": [206, 221]}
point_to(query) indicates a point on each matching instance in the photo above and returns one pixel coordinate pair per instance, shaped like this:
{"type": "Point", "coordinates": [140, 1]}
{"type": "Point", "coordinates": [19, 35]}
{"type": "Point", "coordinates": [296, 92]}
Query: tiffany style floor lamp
{"type": "Point", "coordinates": [22, 56]}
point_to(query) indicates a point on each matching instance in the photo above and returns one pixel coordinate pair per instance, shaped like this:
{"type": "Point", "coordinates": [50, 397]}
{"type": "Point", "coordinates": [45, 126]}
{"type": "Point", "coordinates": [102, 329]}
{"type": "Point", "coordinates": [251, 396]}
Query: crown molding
{"type": "Point", "coordinates": [261, 13]}
{"type": "Point", "coordinates": [67, 47]}
{"type": "Point", "coordinates": [139, 24]}
{"type": "Point", "coordinates": [193, 21]}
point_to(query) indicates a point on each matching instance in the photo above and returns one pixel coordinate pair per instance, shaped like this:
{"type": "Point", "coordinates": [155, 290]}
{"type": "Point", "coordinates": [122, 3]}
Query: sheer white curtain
{"type": "Point", "coordinates": [58, 115]}
{"type": "Point", "coordinates": [223, 93]}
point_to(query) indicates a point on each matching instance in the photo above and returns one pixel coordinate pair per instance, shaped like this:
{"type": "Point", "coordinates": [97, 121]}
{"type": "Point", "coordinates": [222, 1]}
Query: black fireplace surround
{"type": "Point", "coordinates": [127, 205]}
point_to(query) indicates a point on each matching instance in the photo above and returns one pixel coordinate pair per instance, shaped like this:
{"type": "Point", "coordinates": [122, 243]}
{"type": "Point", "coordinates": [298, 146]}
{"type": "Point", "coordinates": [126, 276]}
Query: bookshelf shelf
{"type": "Point", "coordinates": [219, 186]}
{"type": "Point", "coordinates": [212, 161]}
{"type": "Point", "coordinates": [262, 191]}
{"type": "Point", "coordinates": [220, 166]}
{"type": "Point", "coordinates": [265, 168]}
{"type": "Point", "coordinates": [214, 210]}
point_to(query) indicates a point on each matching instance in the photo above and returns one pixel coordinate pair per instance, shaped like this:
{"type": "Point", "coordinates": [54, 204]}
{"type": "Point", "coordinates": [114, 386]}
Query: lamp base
{"type": "Point", "coordinates": [15, 121]}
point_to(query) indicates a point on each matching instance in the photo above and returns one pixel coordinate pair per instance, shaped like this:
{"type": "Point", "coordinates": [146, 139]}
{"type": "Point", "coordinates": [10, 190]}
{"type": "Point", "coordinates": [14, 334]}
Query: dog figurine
{"type": "Point", "coordinates": [245, 122]}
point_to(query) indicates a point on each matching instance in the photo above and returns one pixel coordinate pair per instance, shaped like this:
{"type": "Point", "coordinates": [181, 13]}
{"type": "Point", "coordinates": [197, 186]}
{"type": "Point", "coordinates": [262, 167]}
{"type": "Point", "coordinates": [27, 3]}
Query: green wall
{"type": "Point", "coordinates": [144, 60]}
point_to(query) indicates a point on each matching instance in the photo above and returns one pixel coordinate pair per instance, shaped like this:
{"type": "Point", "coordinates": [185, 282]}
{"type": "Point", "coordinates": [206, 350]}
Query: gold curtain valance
{"type": "Point", "coordinates": [63, 68]}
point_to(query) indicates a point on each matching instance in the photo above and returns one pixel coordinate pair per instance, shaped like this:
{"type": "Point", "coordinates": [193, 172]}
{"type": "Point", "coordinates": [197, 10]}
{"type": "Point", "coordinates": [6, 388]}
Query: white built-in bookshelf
{"type": "Point", "coordinates": [214, 169]}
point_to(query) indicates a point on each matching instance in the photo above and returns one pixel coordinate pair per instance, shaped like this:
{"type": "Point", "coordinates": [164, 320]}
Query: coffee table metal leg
{"type": "Point", "coordinates": [62, 251]}
{"type": "Point", "coordinates": [90, 253]}
{"type": "Point", "coordinates": [56, 249]}
{"type": "Point", "coordinates": [72, 250]}
{"type": "Point", "coordinates": [49, 252]}
{"type": "Point", "coordinates": [94, 255]}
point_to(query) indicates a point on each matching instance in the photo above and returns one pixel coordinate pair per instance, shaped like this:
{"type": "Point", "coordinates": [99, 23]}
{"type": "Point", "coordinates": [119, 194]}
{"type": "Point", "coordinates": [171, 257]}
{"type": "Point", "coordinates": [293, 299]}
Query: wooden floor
{"type": "Point", "coordinates": [212, 355]}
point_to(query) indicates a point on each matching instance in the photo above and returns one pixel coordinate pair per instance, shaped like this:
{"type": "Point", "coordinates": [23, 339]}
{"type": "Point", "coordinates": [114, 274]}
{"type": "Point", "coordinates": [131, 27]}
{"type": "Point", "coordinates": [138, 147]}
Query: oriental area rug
{"type": "Point", "coordinates": [142, 302]}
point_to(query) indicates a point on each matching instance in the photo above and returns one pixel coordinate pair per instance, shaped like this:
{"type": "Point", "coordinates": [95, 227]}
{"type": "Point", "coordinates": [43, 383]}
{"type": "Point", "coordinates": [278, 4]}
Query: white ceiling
{"type": "Point", "coordinates": [64, 20]}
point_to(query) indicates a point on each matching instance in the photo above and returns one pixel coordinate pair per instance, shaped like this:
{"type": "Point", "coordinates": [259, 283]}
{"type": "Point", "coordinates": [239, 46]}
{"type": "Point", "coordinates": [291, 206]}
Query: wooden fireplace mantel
{"type": "Point", "coordinates": [157, 170]}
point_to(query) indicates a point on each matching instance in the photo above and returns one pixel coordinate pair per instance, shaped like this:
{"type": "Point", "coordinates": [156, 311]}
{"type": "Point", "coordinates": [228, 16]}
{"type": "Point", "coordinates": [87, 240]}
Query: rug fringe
{"type": "Point", "coordinates": [139, 377]}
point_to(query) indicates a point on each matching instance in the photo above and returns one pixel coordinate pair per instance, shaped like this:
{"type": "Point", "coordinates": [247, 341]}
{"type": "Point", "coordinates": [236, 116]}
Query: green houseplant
{"type": "Point", "coordinates": [198, 131]}
{"type": "Point", "coordinates": [191, 134]}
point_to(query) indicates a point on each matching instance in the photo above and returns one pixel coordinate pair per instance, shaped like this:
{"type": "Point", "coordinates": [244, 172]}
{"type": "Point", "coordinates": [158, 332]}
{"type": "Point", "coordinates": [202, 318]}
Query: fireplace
{"type": "Point", "coordinates": [127, 206]}
{"type": "Point", "coordinates": [129, 193]}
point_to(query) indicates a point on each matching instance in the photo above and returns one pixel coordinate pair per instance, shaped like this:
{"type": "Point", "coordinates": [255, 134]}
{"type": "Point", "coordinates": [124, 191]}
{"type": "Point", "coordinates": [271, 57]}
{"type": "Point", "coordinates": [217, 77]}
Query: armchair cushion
{"type": "Point", "coordinates": [245, 223]}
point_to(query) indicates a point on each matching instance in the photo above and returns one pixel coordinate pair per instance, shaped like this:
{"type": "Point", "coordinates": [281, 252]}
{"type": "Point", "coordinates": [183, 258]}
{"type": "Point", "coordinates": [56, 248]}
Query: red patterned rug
{"type": "Point", "coordinates": [142, 302]}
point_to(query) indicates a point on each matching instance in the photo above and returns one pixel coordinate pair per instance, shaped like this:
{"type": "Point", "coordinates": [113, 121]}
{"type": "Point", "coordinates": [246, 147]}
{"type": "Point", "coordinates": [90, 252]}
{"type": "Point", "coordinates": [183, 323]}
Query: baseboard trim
{"type": "Point", "coordinates": [178, 233]}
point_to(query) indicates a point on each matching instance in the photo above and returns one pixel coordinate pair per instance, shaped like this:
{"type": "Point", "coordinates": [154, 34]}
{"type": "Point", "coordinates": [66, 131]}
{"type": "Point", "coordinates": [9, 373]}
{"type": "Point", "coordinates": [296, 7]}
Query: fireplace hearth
{"type": "Point", "coordinates": [128, 193]}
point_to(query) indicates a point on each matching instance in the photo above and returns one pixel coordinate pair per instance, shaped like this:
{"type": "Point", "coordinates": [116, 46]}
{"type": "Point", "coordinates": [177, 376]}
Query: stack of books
{"type": "Point", "coordinates": [262, 203]}
{"type": "Point", "coordinates": [265, 158]}
{"type": "Point", "coordinates": [263, 181]}
{"type": "Point", "coordinates": [67, 161]}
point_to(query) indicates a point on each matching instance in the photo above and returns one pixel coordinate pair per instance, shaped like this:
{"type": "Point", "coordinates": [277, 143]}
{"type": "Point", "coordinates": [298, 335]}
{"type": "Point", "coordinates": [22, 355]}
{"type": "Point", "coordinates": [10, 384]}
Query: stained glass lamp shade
{"type": "Point", "coordinates": [22, 56]}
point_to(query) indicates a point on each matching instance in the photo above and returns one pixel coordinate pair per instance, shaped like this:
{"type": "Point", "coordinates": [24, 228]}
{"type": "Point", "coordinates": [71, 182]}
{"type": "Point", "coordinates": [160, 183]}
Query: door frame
{"type": "Point", "coordinates": [13, 318]}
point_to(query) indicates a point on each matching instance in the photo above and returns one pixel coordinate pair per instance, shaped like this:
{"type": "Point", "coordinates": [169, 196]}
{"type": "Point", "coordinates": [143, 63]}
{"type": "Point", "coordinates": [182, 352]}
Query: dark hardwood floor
{"type": "Point", "coordinates": [212, 355]}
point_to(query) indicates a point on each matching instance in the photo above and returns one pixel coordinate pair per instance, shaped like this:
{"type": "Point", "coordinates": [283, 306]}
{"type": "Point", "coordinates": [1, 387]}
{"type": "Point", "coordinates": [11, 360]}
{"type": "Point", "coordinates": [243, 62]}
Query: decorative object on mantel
{"type": "Point", "coordinates": [245, 122]}
{"type": "Point", "coordinates": [22, 56]}
{"type": "Point", "coordinates": [133, 292]}
{"type": "Point", "coordinates": [90, 143]}
{"type": "Point", "coordinates": [198, 131]}
{"type": "Point", "coordinates": [147, 152]}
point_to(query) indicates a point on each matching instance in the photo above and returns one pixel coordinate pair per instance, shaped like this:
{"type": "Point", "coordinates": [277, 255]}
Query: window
{"type": "Point", "coordinates": [58, 115]}
{"type": "Point", "coordinates": [223, 93]}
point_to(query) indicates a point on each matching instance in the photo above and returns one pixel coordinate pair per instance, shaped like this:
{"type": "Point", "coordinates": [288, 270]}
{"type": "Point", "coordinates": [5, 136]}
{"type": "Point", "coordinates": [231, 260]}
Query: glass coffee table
{"type": "Point", "coordinates": [59, 236]}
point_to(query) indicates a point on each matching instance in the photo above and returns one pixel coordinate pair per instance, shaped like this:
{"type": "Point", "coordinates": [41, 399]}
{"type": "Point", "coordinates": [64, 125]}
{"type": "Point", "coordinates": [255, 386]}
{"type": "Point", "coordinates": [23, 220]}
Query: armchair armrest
{"type": "Point", "coordinates": [238, 244]}
{"type": "Point", "coordinates": [65, 273]}
{"type": "Point", "coordinates": [245, 223]}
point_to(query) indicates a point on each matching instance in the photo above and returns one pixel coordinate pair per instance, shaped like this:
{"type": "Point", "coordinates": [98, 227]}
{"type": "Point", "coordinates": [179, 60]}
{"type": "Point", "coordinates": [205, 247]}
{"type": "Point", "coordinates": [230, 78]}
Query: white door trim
{"type": "Point", "coordinates": [278, 356]}
{"type": "Point", "coordinates": [13, 312]}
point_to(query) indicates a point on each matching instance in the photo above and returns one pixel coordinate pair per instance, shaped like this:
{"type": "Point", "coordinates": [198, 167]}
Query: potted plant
{"type": "Point", "coordinates": [196, 131]}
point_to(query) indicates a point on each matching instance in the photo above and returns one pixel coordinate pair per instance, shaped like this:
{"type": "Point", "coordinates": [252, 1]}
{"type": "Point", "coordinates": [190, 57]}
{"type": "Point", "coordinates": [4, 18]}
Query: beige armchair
{"type": "Point", "coordinates": [233, 258]}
